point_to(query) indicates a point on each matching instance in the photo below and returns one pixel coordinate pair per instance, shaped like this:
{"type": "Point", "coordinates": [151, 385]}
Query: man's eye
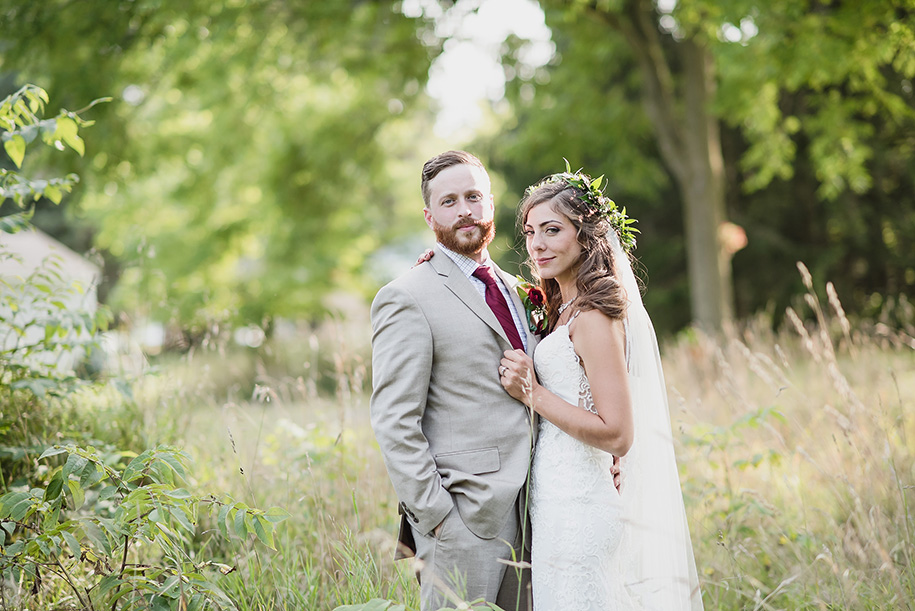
{"type": "Point", "coordinates": [475, 197]}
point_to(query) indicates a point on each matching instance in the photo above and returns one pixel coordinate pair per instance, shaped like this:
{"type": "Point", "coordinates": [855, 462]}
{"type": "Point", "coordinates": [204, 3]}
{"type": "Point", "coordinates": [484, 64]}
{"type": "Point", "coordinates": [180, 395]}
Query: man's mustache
{"type": "Point", "coordinates": [462, 224]}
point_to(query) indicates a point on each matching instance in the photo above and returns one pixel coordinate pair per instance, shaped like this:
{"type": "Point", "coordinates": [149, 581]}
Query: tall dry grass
{"type": "Point", "coordinates": [795, 450]}
{"type": "Point", "coordinates": [797, 460]}
{"type": "Point", "coordinates": [287, 425]}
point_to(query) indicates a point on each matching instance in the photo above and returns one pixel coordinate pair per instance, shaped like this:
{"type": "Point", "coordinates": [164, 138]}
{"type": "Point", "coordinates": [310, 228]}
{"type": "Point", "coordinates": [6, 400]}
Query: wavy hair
{"type": "Point", "coordinates": [599, 287]}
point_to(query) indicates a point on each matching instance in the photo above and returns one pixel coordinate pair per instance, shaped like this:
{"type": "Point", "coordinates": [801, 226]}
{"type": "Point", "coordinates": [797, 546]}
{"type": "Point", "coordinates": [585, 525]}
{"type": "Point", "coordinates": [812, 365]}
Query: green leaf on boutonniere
{"type": "Point", "coordinates": [534, 302]}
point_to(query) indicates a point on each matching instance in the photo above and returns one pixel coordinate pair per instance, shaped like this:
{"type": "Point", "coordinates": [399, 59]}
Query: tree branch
{"type": "Point", "coordinates": [63, 574]}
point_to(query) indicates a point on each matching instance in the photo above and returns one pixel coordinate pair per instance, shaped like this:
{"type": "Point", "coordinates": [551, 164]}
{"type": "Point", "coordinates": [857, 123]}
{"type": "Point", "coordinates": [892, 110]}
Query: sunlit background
{"type": "Point", "coordinates": [197, 217]}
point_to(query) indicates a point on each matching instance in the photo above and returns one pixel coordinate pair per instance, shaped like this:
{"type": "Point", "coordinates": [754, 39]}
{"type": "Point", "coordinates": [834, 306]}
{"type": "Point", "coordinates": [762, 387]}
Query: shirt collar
{"type": "Point", "coordinates": [465, 263]}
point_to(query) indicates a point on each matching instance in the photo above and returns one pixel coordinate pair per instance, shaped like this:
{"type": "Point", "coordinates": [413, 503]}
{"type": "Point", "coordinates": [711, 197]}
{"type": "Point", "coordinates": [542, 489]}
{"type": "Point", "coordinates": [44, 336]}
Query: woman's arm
{"type": "Point", "coordinates": [600, 342]}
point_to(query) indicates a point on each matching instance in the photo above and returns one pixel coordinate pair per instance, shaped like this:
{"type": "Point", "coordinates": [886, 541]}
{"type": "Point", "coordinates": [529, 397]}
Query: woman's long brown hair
{"type": "Point", "coordinates": [598, 285]}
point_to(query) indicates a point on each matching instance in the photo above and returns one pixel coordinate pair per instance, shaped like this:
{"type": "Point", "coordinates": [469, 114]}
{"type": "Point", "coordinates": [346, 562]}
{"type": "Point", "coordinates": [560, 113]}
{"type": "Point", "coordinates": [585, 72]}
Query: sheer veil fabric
{"type": "Point", "coordinates": [655, 555]}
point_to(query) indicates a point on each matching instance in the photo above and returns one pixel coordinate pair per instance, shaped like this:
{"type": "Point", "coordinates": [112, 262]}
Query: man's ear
{"type": "Point", "coordinates": [427, 214]}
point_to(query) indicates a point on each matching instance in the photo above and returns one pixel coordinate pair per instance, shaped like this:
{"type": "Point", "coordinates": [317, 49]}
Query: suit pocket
{"type": "Point", "coordinates": [476, 462]}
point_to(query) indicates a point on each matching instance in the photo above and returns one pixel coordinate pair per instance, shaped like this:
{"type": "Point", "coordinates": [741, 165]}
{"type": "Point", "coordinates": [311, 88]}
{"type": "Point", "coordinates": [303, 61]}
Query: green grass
{"type": "Point", "coordinates": [796, 455]}
{"type": "Point", "coordinates": [287, 445]}
{"type": "Point", "coordinates": [796, 458]}
{"type": "Point", "coordinates": [796, 451]}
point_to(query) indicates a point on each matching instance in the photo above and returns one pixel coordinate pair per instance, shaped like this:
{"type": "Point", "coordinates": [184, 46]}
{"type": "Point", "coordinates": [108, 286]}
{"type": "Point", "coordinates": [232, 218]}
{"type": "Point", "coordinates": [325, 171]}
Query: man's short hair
{"type": "Point", "coordinates": [443, 161]}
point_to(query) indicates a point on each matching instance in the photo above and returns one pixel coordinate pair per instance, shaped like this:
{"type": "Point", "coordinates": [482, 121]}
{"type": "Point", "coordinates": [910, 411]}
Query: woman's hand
{"type": "Point", "coordinates": [424, 257]}
{"type": "Point", "coordinates": [516, 372]}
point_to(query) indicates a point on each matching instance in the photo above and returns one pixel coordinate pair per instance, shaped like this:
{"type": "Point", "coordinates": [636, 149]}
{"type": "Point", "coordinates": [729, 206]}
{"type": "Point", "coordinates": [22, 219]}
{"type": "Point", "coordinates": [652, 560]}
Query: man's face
{"type": "Point", "coordinates": [460, 209]}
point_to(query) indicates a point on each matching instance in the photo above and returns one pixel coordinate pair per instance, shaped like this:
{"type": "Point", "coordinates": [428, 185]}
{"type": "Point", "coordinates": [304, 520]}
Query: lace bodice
{"type": "Point", "coordinates": [560, 370]}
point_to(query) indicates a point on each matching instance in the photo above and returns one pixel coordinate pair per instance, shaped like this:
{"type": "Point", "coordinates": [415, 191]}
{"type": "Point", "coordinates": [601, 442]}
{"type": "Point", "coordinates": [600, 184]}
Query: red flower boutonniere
{"type": "Point", "coordinates": [534, 305]}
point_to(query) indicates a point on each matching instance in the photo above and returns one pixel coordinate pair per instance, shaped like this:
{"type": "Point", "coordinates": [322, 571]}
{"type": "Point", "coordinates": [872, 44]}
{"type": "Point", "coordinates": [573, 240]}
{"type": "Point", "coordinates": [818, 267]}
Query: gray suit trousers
{"type": "Point", "coordinates": [458, 566]}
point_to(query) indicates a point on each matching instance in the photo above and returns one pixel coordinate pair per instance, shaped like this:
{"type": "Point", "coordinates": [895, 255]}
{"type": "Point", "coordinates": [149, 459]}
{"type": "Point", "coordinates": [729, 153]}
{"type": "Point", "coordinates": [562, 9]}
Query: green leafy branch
{"type": "Point", "coordinates": [20, 125]}
{"type": "Point", "coordinates": [37, 328]}
{"type": "Point", "coordinates": [95, 517]}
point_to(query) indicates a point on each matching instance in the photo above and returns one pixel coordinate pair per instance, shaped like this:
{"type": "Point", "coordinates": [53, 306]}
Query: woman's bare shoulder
{"type": "Point", "coordinates": [594, 327]}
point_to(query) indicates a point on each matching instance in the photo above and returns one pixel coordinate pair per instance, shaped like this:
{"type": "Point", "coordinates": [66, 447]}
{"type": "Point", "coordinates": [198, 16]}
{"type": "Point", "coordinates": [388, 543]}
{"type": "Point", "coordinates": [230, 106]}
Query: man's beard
{"type": "Point", "coordinates": [470, 244]}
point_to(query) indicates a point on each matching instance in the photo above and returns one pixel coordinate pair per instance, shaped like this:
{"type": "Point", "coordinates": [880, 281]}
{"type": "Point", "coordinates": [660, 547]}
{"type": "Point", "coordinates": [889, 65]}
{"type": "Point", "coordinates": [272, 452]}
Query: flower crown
{"type": "Point", "coordinates": [596, 202]}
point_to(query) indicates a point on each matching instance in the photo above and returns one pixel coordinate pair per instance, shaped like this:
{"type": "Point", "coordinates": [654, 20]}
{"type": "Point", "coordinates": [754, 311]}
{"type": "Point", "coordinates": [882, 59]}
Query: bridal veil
{"type": "Point", "coordinates": [655, 555]}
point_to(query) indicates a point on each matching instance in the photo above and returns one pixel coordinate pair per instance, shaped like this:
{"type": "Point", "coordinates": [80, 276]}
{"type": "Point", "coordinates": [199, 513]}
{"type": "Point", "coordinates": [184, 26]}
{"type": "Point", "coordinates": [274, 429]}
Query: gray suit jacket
{"type": "Point", "coordinates": [449, 433]}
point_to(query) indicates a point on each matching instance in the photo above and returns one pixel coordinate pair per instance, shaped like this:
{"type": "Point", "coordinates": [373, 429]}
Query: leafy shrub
{"type": "Point", "coordinates": [37, 328]}
{"type": "Point", "coordinates": [85, 521]}
{"type": "Point", "coordinates": [120, 535]}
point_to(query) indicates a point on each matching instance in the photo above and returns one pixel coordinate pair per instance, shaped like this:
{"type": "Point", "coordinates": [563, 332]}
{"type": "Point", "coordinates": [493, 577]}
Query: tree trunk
{"type": "Point", "coordinates": [701, 182]}
{"type": "Point", "coordinates": [690, 143]}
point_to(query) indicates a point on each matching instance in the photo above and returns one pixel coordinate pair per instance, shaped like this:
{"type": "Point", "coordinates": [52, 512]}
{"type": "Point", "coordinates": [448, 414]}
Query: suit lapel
{"type": "Point", "coordinates": [456, 282]}
{"type": "Point", "coordinates": [460, 285]}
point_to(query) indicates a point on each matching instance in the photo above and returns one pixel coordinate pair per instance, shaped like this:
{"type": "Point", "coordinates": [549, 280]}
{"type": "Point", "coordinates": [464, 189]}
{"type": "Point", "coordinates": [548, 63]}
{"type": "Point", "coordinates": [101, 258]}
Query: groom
{"type": "Point", "coordinates": [457, 447]}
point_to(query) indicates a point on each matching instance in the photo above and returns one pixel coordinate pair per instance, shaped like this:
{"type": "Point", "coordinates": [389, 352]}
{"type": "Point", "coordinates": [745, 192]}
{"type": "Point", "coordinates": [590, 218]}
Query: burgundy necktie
{"type": "Point", "coordinates": [496, 302]}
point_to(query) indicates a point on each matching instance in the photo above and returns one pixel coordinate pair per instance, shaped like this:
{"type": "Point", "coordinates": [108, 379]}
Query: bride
{"type": "Point", "coordinates": [597, 384]}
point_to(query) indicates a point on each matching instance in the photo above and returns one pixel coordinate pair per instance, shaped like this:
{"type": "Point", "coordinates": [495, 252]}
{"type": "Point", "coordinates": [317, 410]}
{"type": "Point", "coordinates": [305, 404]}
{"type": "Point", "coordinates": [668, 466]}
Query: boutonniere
{"type": "Point", "coordinates": [534, 302]}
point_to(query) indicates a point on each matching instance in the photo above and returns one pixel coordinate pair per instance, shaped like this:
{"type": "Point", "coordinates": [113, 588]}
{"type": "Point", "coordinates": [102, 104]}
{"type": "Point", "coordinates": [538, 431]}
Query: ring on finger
{"type": "Point", "coordinates": [502, 370]}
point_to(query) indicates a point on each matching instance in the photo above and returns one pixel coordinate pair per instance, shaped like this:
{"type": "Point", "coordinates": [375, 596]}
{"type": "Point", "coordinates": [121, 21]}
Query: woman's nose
{"type": "Point", "coordinates": [536, 242]}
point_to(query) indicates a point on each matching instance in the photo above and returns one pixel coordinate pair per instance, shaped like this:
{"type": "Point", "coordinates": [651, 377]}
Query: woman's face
{"type": "Point", "coordinates": [552, 243]}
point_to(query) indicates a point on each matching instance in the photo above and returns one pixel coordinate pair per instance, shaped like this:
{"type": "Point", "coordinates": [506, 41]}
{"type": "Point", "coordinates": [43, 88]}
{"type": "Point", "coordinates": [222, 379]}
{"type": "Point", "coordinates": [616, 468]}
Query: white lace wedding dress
{"type": "Point", "coordinates": [576, 512]}
{"type": "Point", "coordinates": [592, 548]}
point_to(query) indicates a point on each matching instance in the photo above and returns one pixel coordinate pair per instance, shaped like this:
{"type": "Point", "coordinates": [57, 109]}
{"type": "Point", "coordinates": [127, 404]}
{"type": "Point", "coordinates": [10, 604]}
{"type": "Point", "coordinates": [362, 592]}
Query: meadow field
{"type": "Point", "coordinates": [795, 448]}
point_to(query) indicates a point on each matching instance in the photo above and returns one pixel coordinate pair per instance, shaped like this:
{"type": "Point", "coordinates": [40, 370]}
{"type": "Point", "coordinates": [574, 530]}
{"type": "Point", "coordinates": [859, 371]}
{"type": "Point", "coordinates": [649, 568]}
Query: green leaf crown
{"type": "Point", "coordinates": [596, 203]}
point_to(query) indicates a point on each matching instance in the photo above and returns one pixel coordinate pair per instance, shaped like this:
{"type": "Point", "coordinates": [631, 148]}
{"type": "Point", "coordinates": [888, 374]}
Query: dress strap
{"type": "Point", "coordinates": [573, 316]}
{"type": "Point", "coordinates": [568, 324]}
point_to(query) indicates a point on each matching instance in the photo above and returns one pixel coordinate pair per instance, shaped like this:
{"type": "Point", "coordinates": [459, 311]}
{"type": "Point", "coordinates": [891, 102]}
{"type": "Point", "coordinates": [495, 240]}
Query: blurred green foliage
{"type": "Point", "coordinates": [257, 154]}
{"type": "Point", "coordinates": [244, 170]}
{"type": "Point", "coordinates": [817, 111]}
{"type": "Point", "coordinates": [104, 524]}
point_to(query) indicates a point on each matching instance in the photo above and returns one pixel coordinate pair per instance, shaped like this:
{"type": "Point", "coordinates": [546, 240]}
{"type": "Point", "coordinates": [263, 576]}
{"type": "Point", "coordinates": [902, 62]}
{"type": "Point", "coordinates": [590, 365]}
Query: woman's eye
{"type": "Point", "coordinates": [528, 232]}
